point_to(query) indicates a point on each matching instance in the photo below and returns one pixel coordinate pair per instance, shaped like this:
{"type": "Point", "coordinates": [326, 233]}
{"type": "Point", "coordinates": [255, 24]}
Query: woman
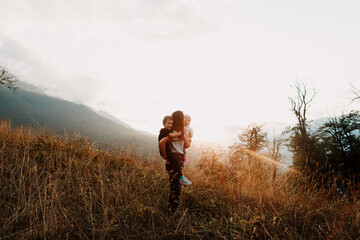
{"type": "Point", "coordinates": [175, 159]}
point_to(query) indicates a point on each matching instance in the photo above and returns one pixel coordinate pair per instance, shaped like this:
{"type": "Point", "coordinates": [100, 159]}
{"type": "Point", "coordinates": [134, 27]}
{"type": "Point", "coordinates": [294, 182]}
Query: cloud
{"type": "Point", "coordinates": [73, 48]}
{"type": "Point", "coordinates": [54, 81]}
{"type": "Point", "coordinates": [133, 20]}
{"type": "Point", "coordinates": [24, 64]}
{"type": "Point", "coordinates": [171, 19]}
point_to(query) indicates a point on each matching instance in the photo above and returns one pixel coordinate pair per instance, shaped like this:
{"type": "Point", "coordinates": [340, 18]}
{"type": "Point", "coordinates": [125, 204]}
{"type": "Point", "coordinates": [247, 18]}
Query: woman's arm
{"type": "Point", "coordinates": [175, 135]}
{"type": "Point", "coordinates": [162, 146]}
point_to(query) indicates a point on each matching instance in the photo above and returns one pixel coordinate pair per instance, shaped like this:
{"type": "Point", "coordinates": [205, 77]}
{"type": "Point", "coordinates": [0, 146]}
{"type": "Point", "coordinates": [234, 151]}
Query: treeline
{"type": "Point", "coordinates": [330, 149]}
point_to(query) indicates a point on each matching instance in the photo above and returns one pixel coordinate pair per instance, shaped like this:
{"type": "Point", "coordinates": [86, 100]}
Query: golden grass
{"type": "Point", "coordinates": [53, 188]}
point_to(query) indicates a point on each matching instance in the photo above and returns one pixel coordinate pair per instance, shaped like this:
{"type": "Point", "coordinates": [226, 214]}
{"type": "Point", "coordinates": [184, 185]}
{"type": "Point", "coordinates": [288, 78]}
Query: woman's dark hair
{"type": "Point", "coordinates": [178, 118]}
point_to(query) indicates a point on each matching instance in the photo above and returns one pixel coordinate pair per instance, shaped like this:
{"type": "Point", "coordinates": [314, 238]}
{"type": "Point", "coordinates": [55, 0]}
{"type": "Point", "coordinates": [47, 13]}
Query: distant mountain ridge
{"type": "Point", "coordinates": [107, 115]}
{"type": "Point", "coordinates": [30, 106]}
{"type": "Point", "coordinates": [29, 87]}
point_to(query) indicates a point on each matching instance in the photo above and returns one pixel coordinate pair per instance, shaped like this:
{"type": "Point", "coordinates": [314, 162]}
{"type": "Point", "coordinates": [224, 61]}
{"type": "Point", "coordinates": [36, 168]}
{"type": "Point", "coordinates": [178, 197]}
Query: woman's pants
{"type": "Point", "coordinates": [173, 165]}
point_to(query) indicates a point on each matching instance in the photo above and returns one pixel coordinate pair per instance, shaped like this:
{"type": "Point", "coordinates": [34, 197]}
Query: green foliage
{"type": "Point", "coordinates": [340, 141]}
{"type": "Point", "coordinates": [333, 148]}
{"type": "Point", "coordinates": [296, 142]}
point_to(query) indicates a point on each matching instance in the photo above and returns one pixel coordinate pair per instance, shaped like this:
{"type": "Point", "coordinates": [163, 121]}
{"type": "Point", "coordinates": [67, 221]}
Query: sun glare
{"type": "Point", "coordinates": [208, 133]}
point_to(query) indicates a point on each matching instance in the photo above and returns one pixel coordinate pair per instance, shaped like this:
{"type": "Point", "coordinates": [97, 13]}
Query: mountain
{"type": "Point", "coordinates": [29, 87]}
{"type": "Point", "coordinates": [110, 117]}
{"type": "Point", "coordinates": [28, 105]}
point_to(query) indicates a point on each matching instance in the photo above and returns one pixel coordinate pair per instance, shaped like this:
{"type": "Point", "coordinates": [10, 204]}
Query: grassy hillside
{"type": "Point", "coordinates": [67, 189]}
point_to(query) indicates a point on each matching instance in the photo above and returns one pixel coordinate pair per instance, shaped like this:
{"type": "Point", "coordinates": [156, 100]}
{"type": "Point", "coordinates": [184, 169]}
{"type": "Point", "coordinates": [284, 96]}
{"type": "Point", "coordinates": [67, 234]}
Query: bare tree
{"type": "Point", "coordinates": [7, 79]}
{"type": "Point", "coordinates": [273, 146]}
{"type": "Point", "coordinates": [355, 92]}
{"type": "Point", "coordinates": [299, 105]}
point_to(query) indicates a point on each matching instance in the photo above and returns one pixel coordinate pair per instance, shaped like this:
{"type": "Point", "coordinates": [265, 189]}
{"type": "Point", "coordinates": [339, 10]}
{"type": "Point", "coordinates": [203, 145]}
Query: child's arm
{"type": "Point", "coordinates": [186, 144]}
{"type": "Point", "coordinates": [175, 135]}
{"type": "Point", "coordinates": [162, 146]}
{"type": "Point", "coordinates": [191, 132]}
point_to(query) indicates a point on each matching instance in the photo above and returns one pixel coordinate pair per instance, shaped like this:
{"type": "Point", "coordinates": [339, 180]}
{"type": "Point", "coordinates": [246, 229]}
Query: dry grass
{"type": "Point", "coordinates": [66, 189]}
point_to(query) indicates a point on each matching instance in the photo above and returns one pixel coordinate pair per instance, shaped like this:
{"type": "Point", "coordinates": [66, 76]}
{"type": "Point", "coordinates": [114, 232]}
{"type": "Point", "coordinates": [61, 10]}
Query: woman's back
{"type": "Point", "coordinates": [177, 145]}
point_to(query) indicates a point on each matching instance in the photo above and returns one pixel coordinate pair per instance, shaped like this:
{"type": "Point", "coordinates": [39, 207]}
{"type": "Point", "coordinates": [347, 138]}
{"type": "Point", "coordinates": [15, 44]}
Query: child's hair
{"type": "Point", "coordinates": [178, 118]}
{"type": "Point", "coordinates": [166, 118]}
{"type": "Point", "coordinates": [187, 116]}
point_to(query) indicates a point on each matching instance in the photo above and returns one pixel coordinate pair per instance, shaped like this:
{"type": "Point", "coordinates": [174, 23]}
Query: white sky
{"type": "Point", "coordinates": [226, 63]}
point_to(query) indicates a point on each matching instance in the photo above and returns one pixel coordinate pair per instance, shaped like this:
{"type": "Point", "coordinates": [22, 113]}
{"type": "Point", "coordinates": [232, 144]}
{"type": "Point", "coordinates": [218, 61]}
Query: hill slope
{"type": "Point", "coordinates": [58, 189]}
{"type": "Point", "coordinates": [34, 108]}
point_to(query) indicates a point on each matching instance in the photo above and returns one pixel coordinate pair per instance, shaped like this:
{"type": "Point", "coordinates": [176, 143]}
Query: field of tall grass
{"type": "Point", "coordinates": [53, 187]}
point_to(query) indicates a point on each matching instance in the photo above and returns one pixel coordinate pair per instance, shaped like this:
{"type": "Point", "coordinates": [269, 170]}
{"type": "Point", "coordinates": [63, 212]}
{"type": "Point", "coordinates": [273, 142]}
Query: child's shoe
{"type": "Point", "coordinates": [185, 181]}
{"type": "Point", "coordinates": [185, 161]}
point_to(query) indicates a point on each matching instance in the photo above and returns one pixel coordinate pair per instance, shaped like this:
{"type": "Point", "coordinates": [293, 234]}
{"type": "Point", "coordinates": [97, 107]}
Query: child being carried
{"type": "Point", "coordinates": [188, 133]}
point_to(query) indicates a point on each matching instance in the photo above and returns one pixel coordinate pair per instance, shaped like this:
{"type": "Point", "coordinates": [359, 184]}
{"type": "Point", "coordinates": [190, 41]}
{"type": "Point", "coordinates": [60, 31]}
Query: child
{"type": "Point", "coordinates": [167, 131]}
{"type": "Point", "coordinates": [188, 133]}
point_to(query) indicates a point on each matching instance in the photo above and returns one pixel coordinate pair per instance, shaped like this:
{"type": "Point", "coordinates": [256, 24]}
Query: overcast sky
{"type": "Point", "coordinates": [226, 63]}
